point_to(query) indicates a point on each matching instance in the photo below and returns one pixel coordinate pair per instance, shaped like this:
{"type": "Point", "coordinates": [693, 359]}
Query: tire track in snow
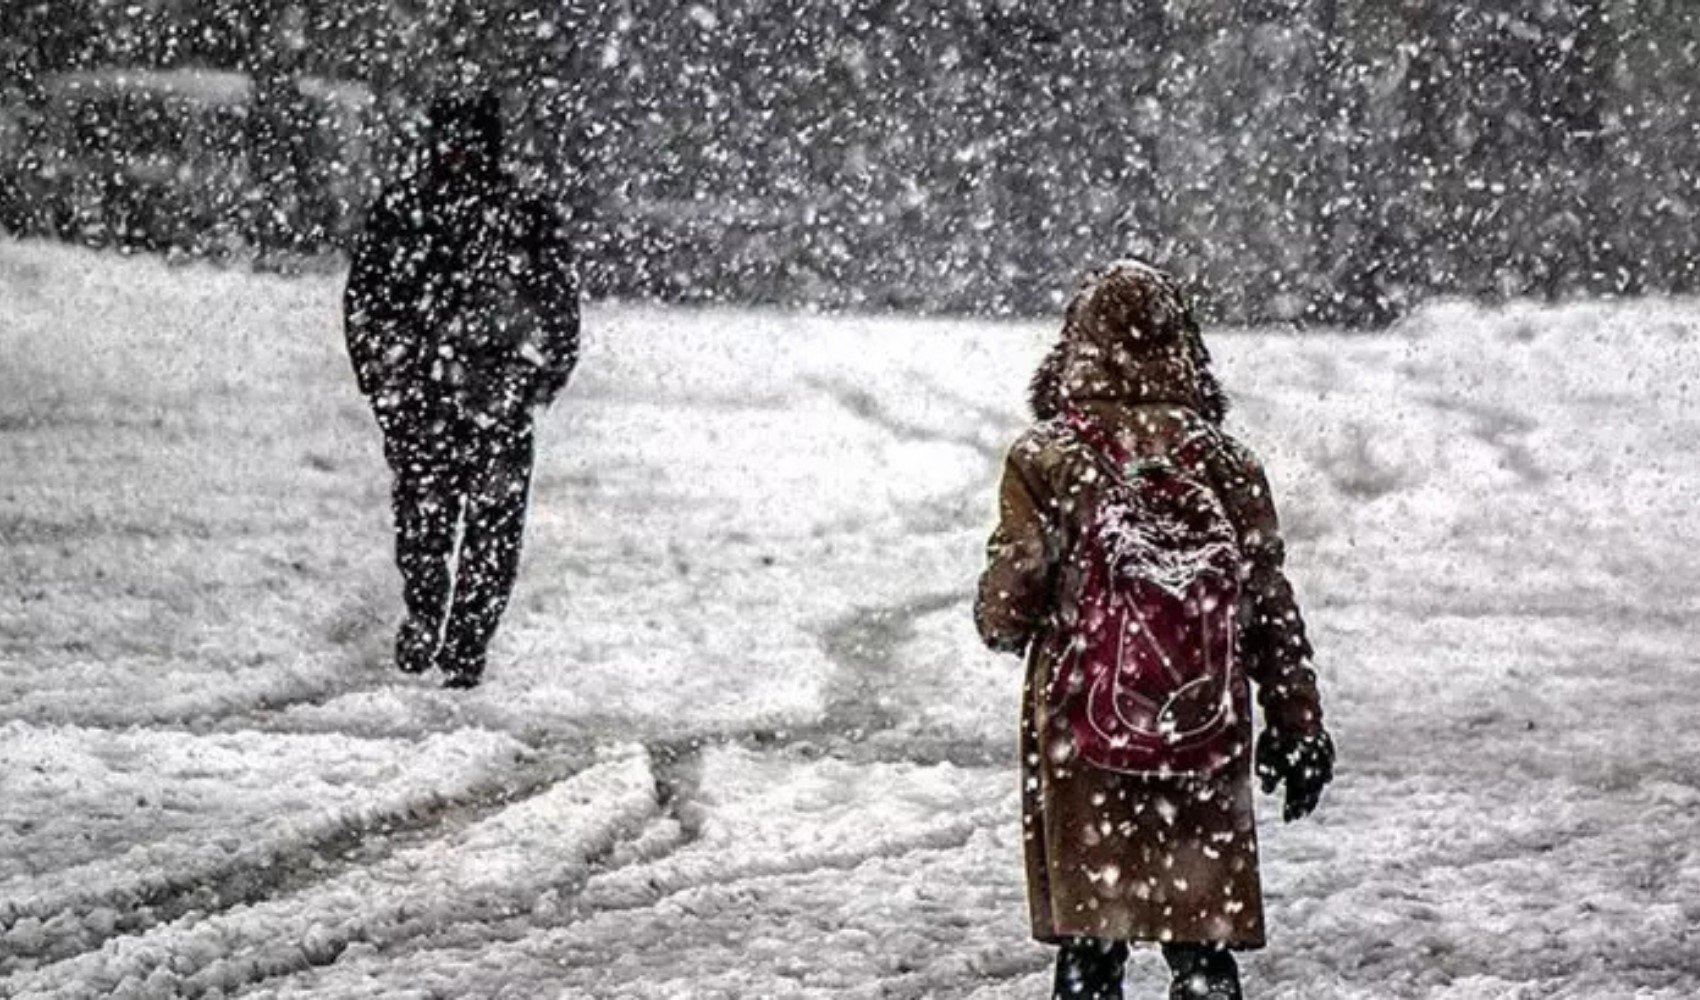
{"type": "Point", "coordinates": [863, 647]}
{"type": "Point", "coordinates": [864, 405]}
{"type": "Point", "coordinates": [629, 888]}
{"type": "Point", "coordinates": [229, 694]}
{"type": "Point", "coordinates": [619, 891]}
{"type": "Point", "coordinates": [514, 860]}
{"type": "Point", "coordinates": [620, 885]}
{"type": "Point", "coordinates": [1503, 430]}
{"type": "Point", "coordinates": [675, 765]}
{"type": "Point", "coordinates": [640, 918]}
{"type": "Point", "coordinates": [274, 688]}
{"type": "Point", "coordinates": [79, 922]}
{"type": "Point", "coordinates": [961, 508]}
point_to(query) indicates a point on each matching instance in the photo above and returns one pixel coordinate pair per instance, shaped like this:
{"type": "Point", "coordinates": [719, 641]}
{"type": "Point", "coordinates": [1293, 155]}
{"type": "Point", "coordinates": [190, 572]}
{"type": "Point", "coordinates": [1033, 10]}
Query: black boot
{"type": "Point", "coordinates": [415, 647]}
{"type": "Point", "coordinates": [1202, 972]}
{"type": "Point", "coordinates": [462, 671]}
{"type": "Point", "coordinates": [461, 682]}
{"type": "Point", "coordinates": [1090, 969]}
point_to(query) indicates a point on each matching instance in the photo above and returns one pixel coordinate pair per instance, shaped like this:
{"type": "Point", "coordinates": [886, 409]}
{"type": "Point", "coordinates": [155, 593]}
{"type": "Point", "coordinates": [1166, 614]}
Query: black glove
{"type": "Point", "coordinates": [1305, 763]}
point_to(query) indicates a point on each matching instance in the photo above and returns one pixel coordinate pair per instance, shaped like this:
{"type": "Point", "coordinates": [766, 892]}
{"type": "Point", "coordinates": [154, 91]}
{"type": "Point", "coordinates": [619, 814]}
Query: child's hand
{"type": "Point", "coordinates": [1305, 763]}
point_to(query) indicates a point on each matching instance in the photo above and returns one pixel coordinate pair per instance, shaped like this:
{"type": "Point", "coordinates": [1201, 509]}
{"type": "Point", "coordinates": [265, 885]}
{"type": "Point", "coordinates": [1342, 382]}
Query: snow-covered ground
{"type": "Point", "coordinates": [738, 740]}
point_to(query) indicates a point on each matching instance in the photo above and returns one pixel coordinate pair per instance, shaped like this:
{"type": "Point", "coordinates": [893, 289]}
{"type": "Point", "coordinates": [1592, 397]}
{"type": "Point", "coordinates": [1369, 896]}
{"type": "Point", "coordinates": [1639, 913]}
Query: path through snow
{"type": "Point", "coordinates": [738, 740]}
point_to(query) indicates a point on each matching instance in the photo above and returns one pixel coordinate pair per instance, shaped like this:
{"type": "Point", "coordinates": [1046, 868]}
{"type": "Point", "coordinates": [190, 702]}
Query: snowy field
{"type": "Point", "coordinates": [738, 740]}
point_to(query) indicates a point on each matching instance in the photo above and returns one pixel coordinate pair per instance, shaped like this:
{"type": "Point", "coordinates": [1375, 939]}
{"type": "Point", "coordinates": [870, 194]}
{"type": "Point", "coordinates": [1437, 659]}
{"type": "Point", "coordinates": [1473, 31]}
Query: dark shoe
{"type": "Point", "coordinates": [415, 648]}
{"type": "Point", "coordinates": [1089, 969]}
{"type": "Point", "coordinates": [462, 671]}
{"type": "Point", "coordinates": [1201, 987]}
{"type": "Point", "coordinates": [1202, 972]}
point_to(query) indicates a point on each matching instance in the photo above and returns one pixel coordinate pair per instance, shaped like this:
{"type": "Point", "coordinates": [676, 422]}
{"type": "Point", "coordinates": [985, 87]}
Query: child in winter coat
{"type": "Point", "coordinates": [1157, 852]}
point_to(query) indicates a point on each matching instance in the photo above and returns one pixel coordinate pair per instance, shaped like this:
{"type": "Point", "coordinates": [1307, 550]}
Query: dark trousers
{"type": "Point", "coordinates": [459, 498]}
{"type": "Point", "coordinates": [1091, 969]}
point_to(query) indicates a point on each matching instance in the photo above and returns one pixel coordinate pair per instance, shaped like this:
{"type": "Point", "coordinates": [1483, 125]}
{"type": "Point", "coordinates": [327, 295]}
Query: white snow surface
{"type": "Point", "coordinates": [103, 822]}
{"type": "Point", "coordinates": [738, 739]}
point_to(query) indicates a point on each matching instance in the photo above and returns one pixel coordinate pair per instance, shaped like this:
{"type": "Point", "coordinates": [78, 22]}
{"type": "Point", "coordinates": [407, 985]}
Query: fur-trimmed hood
{"type": "Point", "coordinates": [1127, 336]}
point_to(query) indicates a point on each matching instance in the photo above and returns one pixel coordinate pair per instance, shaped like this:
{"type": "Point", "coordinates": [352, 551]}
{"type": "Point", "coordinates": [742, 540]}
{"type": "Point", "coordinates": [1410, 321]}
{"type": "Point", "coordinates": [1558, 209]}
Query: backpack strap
{"type": "Point", "coordinates": [1094, 435]}
{"type": "Point", "coordinates": [1196, 450]}
{"type": "Point", "coordinates": [1191, 456]}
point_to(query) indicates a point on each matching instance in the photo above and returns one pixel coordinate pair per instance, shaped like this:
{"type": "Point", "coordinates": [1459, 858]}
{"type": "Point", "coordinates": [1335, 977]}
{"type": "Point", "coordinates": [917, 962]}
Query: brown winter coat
{"type": "Point", "coordinates": [1108, 855]}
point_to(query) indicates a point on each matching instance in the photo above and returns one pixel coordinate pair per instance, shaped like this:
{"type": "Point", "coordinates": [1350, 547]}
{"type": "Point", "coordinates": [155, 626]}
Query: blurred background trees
{"type": "Point", "coordinates": [1302, 160]}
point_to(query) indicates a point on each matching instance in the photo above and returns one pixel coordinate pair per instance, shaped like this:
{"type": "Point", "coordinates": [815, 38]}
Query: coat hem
{"type": "Point", "coordinates": [1232, 944]}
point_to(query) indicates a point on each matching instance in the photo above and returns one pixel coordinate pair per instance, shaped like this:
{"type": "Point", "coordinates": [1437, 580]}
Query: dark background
{"type": "Point", "coordinates": [1327, 160]}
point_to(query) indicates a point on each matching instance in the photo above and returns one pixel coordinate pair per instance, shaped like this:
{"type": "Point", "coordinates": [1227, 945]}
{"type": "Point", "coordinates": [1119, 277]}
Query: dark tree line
{"type": "Point", "coordinates": [1326, 160]}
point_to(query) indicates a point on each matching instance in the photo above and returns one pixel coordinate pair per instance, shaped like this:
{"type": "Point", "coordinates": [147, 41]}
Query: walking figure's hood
{"type": "Point", "coordinates": [1127, 336]}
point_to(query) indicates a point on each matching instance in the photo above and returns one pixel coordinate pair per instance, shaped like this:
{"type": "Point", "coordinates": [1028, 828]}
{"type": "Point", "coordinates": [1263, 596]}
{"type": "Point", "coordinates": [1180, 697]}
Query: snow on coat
{"type": "Point", "coordinates": [1109, 855]}
{"type": "Point", "coordinates": [462, 288]}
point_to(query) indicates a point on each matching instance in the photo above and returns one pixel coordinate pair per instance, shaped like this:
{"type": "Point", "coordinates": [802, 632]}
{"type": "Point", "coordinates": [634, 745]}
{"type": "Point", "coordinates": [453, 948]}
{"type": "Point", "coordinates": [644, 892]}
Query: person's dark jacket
{"type": "Point", "coordinates": [462, 292]}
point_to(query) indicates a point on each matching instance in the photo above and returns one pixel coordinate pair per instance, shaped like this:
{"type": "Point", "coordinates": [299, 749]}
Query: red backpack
{"type": "Point", "coordinates": [1149, 682]}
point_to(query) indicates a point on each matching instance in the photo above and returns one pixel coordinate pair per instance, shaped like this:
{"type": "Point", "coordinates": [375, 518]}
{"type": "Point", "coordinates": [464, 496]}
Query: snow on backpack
{"type": "Point", "coordinates": [1149, 681]}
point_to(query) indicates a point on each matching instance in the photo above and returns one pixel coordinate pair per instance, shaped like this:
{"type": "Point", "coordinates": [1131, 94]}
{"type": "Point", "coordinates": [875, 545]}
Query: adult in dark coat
{"type": "Point", "coordinates": [462, 318]}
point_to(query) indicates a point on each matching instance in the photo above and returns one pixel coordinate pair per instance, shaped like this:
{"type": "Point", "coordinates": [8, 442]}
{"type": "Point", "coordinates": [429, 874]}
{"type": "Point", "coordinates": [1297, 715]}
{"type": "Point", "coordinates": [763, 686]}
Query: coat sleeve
{"type": "Point", "coordinates": [1278, 655]}
{"type": "Point", "coordinates": [379, 342]}
{"type": "Point", "coordinates": [554, 289]}
{"type": "Point", "coordinates": [1016, 591]}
